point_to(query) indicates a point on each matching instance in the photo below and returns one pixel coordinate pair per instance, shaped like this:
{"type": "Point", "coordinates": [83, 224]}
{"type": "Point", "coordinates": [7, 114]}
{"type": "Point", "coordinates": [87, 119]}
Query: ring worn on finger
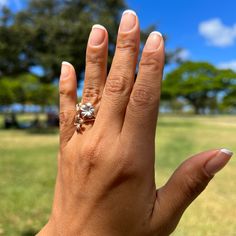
{"type": "Point", "coordinates": [84, 114]}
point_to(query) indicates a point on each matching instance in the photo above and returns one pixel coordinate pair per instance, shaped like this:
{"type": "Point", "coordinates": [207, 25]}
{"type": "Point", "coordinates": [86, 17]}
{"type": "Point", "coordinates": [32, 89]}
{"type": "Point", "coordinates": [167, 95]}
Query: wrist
{"type": "Point", "coordinates": [67, 227]}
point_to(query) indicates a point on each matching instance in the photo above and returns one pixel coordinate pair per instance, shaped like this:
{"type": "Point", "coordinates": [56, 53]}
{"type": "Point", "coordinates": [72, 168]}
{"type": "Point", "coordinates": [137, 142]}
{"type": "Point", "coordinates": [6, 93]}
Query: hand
{"type": "Point", "coordinates": [105, 183]}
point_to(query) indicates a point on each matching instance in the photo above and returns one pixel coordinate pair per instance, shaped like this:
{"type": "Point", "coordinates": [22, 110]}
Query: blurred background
{"type": "Point", "coordinates": [197, 110]}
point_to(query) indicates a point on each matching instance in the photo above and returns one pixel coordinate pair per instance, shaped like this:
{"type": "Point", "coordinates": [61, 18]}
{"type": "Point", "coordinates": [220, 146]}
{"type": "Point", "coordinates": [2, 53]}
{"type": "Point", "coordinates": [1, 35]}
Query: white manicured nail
{"type": "Point", "coordinates": [66, 63]}
{"type": "Point", "coordinates": [97, 35]}
{"type": "Point", "coordinates": [97, 26]}
{"type": "Point", "coordinates": [129, 12]}
{"type": "Point", "coordinates": [153, 42]}
{"type": "Point", "coordinates": [226, 151]}
{"type": "Point", "coordinates": [157, 32]}
{"type": "Point", "coordinates": [217, 162]}
{"type": "Point", "coordinates": [65, 69]}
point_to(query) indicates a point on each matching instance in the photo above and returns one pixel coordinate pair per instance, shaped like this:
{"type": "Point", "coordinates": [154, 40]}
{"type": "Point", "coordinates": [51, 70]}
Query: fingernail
{"type": "Point", "coordinates": [97, 35]}
{"type": "Point", "coordinates": [216, 163]}
{"type": "Point", "coordinates": [153, 41]}
{"type": "Point", "coordinates": [65, 69]}
{"type": "Point", "coordinates": [128, 21]}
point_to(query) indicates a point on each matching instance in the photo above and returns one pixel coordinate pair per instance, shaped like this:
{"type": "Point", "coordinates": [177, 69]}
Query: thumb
{"type": "Point", "coordinates": [187, 182]}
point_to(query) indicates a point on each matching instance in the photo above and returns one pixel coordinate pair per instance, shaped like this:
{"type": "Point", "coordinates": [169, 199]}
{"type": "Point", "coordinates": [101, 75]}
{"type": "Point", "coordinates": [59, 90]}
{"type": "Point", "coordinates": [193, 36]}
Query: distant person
{"type": "Point", "coordinates": [36, 123]}
{"type": "Point", "coordinates": [52, 119]}
{"type": "Point", "coordinates": [10, 121]}
{"type": "Point", "coordinates": [105, 184]}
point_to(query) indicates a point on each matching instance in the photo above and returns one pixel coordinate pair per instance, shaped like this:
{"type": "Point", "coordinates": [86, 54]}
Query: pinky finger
{"type": "Point", "coordinates": [142, 109]}
{"type": "Point", "coordinates": [68, 99]}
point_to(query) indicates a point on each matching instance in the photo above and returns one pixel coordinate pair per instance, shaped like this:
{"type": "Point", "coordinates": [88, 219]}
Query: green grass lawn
{"type": "Point", "coordinates": [28, 168]}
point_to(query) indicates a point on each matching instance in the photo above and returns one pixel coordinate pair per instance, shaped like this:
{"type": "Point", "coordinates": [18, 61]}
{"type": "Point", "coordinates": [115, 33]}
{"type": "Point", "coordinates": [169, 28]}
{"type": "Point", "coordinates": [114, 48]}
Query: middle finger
{"type": "Point", "coordinates": [96, 63]}
{"type": "Point", "coordinates": [121, 76]}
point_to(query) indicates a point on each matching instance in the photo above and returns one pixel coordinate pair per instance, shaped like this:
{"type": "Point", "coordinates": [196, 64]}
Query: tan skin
{"type": "Point", "coordinates": [105, 183]}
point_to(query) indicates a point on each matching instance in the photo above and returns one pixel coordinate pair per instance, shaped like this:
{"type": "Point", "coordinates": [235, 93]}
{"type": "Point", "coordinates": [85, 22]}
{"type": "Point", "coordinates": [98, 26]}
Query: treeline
{"type": "Point", "coordinates": [201, 87]}
{"type": "Point", "coordinates": [35, 40]}
{"type": "Point", "coordinates": [27, 89]}
{"type": "Point", "coordinates": [47, 32]}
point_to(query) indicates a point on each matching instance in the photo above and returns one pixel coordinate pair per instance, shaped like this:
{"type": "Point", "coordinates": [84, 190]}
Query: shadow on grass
{"type": "Point", "coordinates": [29, 232]}
{"type": "Point", "coordinates": [176, 123]}
{"type": "Point", "coordinates": [34, 130]}
{"type": "Point", "coordinates": [42, 130]}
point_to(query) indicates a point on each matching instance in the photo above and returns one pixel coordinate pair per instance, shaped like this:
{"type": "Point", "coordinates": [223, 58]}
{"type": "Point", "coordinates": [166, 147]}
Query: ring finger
{"type": "Point", "coordinates": [96, 66]}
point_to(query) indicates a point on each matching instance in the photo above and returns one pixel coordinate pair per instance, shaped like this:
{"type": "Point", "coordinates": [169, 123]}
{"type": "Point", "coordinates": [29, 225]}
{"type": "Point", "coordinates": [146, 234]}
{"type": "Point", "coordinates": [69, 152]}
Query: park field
{"type": "Point", "coordinates": [28, 169]}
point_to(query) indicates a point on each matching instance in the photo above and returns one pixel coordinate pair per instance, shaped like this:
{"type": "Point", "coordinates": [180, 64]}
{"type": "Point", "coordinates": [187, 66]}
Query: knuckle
{"type": "Point", "coordinates": [90, 151]}
{"type": "Point", "coordinates": [66, 89]}
{"type": "Point", "coordinates": [93, 76]}
{"type": "Point", "coordinates": [66, 118]}
{"type": "Point", "coordinates": [151, 62]}
{"type": "Point", "coordinates": [91, 93]}
{"type": "Point", "coordinates": [95, 58]}
{"type": "Point", "coordinates": [125, 164]}
{"type": "Point", "coordinates": [124, 44]}
{"type": "Point", "coordinates": [116, 85]}
{"type": "Point", "coordinates": [194, 184]}
{"type": "Point", "coordinates": [124, 169]}
{"type": "Point", "coordinates": [142, 96]}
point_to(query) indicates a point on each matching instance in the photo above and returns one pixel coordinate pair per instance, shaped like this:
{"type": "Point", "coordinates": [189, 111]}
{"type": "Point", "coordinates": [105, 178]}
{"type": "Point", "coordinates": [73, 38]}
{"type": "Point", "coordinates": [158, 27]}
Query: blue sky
{"type": "Point", "coordinates": [205, 29]}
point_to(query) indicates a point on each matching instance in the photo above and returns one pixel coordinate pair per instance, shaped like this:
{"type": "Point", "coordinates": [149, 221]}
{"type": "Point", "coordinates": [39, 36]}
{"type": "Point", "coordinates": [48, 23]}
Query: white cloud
{"type": "Point", "coordinates": [184, 54]}
{"type": "Point", "coordinates": [228, 65]}
{"type": "Point", "coordinates": [3, 2]}
{"type": "Point", "coordinates": [181, 55]}
{"type": "Point", "coordinates": [217, 34]}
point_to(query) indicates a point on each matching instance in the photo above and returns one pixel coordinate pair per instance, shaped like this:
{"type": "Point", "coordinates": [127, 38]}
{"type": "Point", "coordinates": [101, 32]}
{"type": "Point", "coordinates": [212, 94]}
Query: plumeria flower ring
{"type": "Point", "coordinates": [85, 113]}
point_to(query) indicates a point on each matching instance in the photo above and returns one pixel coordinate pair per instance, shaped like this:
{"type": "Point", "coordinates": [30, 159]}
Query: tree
{"type": "Point", "coordinates": [57, 30]}
{"type": "Point", "coordinates": [199, 83]}
{"type": "Point", "coordinates": [27, 89]}
{"type": "Point", "coordinates": [47, 32]}
{"type": "Point", "coordinates": [7, 91]}
{"type": "Point", "coordinates": [48, 91]}
{"type": "Point", "coordinates": [13, 44]}
{"type": "Point", "coordinates": [229, 100]}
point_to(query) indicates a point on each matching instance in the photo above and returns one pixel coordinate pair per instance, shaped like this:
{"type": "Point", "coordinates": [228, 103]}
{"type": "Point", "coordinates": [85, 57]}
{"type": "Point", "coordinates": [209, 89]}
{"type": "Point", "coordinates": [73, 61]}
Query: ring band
{"type": "Point", "coordinates": [85, 113]}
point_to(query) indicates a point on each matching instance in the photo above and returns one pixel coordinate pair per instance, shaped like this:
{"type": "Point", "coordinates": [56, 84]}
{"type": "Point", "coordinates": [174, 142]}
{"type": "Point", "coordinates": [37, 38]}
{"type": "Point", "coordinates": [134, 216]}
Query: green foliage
{"type": "Point", "coordinates": [26, 89]}
{"type": "Point", "coordinates": [47, 32]}
{"type": "Point", "coordinates": [229, 101]}
{"type": "Point", "coordinates": [7, 91]}
{"type": "Point", "coordinates": [14, 43]}
{"type": "Point", "coordinates": [199, 83]}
